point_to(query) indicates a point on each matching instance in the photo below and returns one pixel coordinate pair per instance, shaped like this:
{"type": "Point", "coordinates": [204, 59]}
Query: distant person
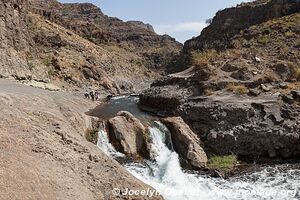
{"type": "Point", "coordinates": [86, 94]}
{"type": "Point", "coordinates": [92, 94]}
{"type": "Point", "coordinates": [109, 97]}
{"type": "Point", "coordinates": [96, 95]}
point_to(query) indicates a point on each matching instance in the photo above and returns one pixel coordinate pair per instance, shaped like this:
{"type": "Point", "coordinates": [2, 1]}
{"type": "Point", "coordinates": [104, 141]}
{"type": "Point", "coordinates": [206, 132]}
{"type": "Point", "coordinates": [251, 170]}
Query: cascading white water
{"type": "Point", "coordinates": [165, 174]}
{"type": "Point", "coordinates": [105, 145]}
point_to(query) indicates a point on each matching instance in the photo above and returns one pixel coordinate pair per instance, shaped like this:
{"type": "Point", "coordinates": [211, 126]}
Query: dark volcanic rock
{"type": "Point", "coordinates": [162, 100]}
{"type": "Point", "coordinates": [242, 75]}
{"type": "Point", "coordinates": [246, 126]}
{"type": "Point", "coordinates": [296, 95]}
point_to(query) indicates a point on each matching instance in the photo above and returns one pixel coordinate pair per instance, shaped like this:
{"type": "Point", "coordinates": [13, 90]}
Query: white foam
{"type": "Point", "coordinates": [105, 145]}
{"type": "Point", "coordinates": [165, 174]}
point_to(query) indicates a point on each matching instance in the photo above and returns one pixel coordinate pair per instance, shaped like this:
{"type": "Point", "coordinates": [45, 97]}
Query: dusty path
{"type": "Point", "coordinates": [43, 151]}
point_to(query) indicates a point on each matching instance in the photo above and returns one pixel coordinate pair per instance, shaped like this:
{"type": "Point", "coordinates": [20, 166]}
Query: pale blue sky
{"type": "Point", "coordinates": [181, 19]}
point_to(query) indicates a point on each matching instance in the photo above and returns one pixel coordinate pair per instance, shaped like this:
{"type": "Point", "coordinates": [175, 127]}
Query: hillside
{"type": "Point", "coordinates": [230, 23]}
{"type": "Point", "coordinates": [76, 45]}
{"type": "Point", "coordinates": [238, 86]}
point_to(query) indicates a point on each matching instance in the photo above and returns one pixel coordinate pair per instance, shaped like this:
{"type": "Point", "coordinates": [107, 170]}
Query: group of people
{"type": "Point", "coordinates": [93, 95]}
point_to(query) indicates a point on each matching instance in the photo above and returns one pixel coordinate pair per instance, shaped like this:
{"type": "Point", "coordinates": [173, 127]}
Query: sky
{"type": "Point", "coordinates": [181, 19]}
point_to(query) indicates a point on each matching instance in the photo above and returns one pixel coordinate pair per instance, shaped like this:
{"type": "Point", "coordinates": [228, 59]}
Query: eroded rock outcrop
{"type": "Point", "coordinates": [261, 126]}
{"type": "Point", "coordinates": [129, 135]}
{"type": "Point", "coordinates": [185, 142]}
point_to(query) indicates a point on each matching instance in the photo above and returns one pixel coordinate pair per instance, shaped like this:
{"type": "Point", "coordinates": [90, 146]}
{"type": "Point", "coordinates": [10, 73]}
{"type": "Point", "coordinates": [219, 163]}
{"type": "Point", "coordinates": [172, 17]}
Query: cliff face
{"type": "Point", "coordinates": [14, 38]}
{"type": "Point", "coordinates": [89, 22]}
{"type": "Point", "coordinates": [231, 21]}
{"type": "Point", "coordinates": [13, 24]}
{"type": "Point", "coordinates": [76, 45]}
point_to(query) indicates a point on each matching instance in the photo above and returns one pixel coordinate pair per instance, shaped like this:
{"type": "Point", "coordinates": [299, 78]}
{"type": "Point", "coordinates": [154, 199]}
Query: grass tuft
{"type": "Point", "coordinates": [295, 71]}
{"type": "Point", "coordinates": [263, 39]}
{"type": "Point", "coordinates": [203, 58]}
{"type": "Point", "coordinates": [226, 162]}
{"type": "Point", "coordinates": [237, 88]}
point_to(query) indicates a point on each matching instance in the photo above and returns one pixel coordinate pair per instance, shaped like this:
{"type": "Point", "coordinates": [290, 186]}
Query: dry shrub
{"type": "Point", "coordinates": [269, 77]}
{"type": "Point", "coordinates": [208, 92]}
{"type": "Point", "coordinates": [295, 69]}
{"type": "Point", "coordinates": [203, 58]}
{"type": "Point", "coordinates": [237, 88]}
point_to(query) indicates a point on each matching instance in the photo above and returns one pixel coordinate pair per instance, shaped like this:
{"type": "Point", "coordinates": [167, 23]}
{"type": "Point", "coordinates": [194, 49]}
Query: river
{"type": "Point", "coordinates": [164, 172]}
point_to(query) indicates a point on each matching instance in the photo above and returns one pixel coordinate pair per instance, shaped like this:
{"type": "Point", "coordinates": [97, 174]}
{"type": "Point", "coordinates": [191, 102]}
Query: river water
{"type": "Point", "coordinates": [164, 173]}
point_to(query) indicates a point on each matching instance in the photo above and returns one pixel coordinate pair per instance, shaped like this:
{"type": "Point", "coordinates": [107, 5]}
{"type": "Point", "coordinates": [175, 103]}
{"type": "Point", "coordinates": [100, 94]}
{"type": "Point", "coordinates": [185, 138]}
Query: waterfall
{"type": "Point", "coordinates": [164, 173]}
{"type": "Point", "coordinates": [105, 145]}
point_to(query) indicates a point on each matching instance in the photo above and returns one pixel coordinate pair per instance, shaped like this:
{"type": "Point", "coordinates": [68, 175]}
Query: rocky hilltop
{"type": "Point", "coordinates": [229, 22]}
{"type": "Point", "coordinates": [239, 88]}
{"type": "Point", "coordinates": [76, 45]}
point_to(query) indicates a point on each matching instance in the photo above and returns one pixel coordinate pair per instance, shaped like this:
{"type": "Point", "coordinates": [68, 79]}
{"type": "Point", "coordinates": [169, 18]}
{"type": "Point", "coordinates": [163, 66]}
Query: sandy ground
{"type": "Point", "coordinates": [43, 151]}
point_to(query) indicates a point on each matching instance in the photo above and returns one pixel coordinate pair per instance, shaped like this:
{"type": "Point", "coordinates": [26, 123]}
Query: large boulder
{"type": "Point", "coordinates": [185, 142]}
{"type": "Point", "coordinates": [129, 135]}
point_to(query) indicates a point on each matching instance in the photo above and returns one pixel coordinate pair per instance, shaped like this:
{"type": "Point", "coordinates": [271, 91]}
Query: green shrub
{"type": "Point", "coordinates": [263, 39]}
{"type": "Point", "coordinates": [91, 135]}
{"type": "Point", "coordinates": [226, 162]}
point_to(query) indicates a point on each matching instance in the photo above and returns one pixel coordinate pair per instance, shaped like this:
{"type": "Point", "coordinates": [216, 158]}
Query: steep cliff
{"type": "Point", "coordinates": [13, 37]}
{"type": "Point", "coordinates": [77, 46]}
{"type": "Point", "coordinates": [89, 22]}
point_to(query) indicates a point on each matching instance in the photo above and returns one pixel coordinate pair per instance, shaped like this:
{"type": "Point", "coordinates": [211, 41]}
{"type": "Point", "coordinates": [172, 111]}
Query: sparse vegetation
{"type": "Point", "coordinates": [295, 71]}
{"type": "Point", "coordinates": [51, 72]}
{"type": "Point", "coordinates": [237, 88]}
{"type": "Point", "coordinates": [138, 62]}
{"type": "Point", "coordinates": [289, 34]}
{"type": "Point", "coordinates": [263, 39]}
{"type": "Point", "coordinates": [226, 162]}
{"type": "Point", "coordinates": [208, 92]}
{"type": "Point", "coordinates": [47, 61]}
{"type": "Point", "coordinates": [269, 77]}
{"type": "Point", "coordinates": [204, 57]}
{"type": "Point", "coordinates": [30, 65]}
{"type": "Point", "coordinates": [92, 135]}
